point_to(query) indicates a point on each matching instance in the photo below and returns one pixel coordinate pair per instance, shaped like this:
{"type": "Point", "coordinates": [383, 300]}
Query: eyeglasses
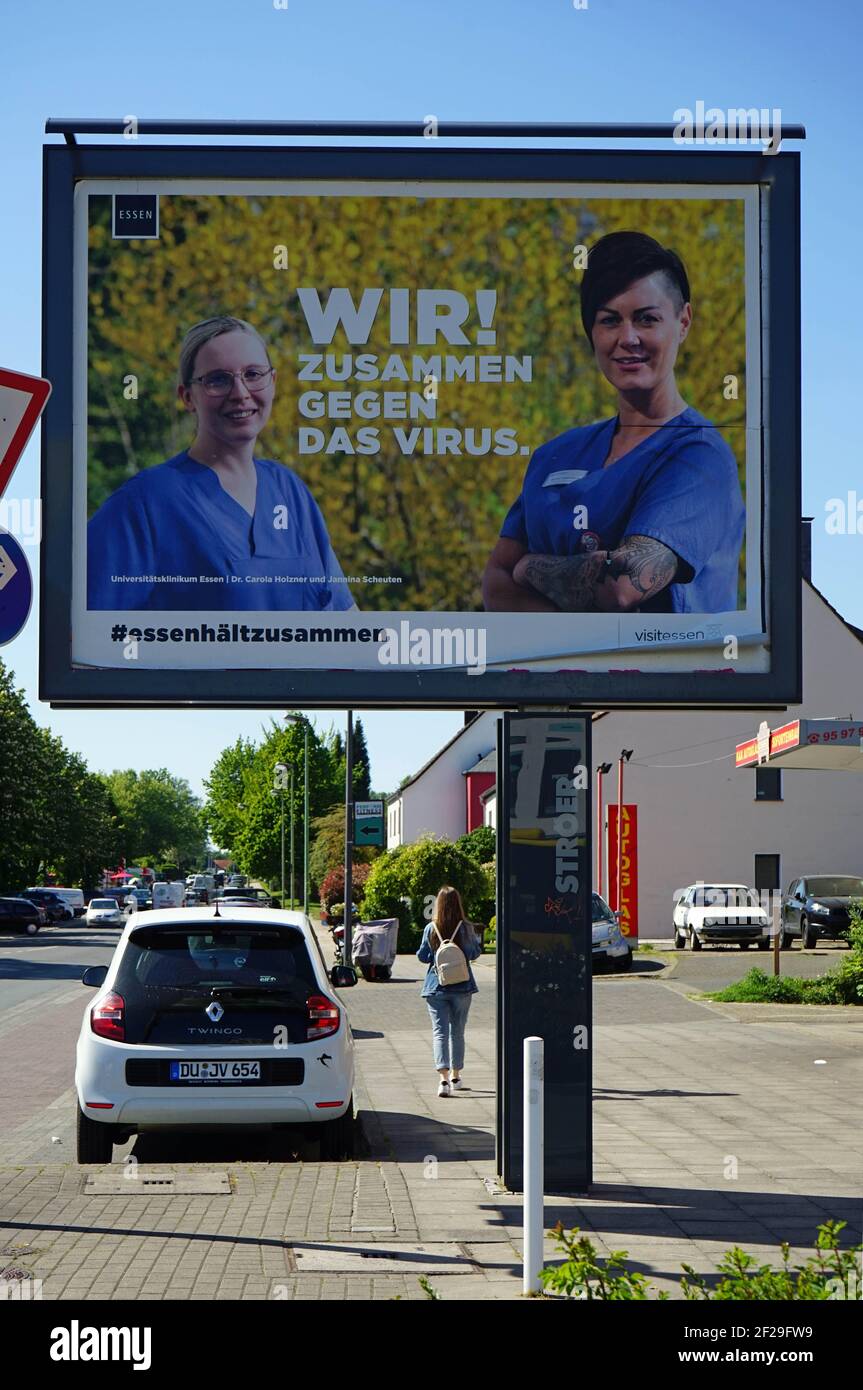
{"type": "Point", "coordinates": [220, 383]}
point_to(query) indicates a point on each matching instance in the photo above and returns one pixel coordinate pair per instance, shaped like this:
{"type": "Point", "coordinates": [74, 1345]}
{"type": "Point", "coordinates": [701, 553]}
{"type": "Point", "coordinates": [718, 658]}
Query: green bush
{"type": "Point", "coordinates": [842, 984]}
{"type": "Point", "coordinates": [831, 1273]}
{"type": "Point", "coordinates": [404, 882]}
{"type": "Point", "coordinates": [479, 845]}
{"type": "Point", "coordinates": [490, 939]}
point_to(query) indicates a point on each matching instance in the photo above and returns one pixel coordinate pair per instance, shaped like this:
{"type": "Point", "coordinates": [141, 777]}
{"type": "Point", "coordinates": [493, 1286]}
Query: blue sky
{"type": "Point", "coordinates": [617, 60]}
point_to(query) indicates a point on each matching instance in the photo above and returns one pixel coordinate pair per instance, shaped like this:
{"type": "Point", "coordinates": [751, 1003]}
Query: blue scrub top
{"type": "Point", "coordinates": [173, 538]}
{"type": "Point", "coordinates": [679, 486]}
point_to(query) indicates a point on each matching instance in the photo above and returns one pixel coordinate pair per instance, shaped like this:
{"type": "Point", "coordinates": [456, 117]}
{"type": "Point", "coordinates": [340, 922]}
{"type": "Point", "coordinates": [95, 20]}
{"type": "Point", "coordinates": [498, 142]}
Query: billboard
{"type": "Point", "coordinates": [376, 426]}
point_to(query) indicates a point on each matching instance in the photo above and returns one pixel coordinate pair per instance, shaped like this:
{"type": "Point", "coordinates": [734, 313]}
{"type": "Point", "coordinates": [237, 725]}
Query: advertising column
{"type": "Point", "coordinates": [544, 939]}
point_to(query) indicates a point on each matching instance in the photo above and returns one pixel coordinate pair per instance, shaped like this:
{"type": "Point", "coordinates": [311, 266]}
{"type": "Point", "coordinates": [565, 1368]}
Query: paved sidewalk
{"type": "Point", "coordinates": [712, 1127]}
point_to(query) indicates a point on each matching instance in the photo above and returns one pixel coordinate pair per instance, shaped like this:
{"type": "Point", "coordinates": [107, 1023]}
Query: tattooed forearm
{"type": "Point", "coordinates": [647, 564]}
{"type": "Point", "coordinates": [640, 568]}
{"type": "Point", "coordinates": [569, 581]}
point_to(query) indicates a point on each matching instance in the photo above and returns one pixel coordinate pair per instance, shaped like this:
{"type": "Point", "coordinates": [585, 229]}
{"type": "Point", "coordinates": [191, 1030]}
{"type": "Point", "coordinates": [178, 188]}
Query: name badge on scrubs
{"type": "Point", "coordinates": [564, 476]}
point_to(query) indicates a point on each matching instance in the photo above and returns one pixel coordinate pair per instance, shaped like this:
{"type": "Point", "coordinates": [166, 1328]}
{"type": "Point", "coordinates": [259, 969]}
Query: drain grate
{"type": "Point", "coordinates": [132, 1182]}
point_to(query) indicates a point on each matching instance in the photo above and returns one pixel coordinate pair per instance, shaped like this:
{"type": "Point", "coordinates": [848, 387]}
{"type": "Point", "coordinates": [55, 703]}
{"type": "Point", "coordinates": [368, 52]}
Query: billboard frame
{"type": "Point", "coordinates": [65, 685]}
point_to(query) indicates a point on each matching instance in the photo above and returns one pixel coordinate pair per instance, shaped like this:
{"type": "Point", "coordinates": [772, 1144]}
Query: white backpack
{"type": "Point", "coordinates": [450, 962]}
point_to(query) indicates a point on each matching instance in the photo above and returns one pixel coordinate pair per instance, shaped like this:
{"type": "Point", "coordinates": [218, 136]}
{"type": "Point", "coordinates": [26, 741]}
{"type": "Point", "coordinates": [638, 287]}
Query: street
{"type": "Point", "coordinates": [710, 1129]}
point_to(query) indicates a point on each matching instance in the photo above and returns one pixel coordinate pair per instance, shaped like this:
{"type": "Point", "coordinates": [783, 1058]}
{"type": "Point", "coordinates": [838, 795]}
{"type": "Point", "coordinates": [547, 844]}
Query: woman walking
{"type": "Point", "coordinates": [449, 1004]}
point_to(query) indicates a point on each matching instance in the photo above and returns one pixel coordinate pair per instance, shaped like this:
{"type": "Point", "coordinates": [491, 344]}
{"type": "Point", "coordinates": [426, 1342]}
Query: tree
{"type": "Point", "coordinates": [226, 791]}
{"type": "Point", "coordinates": [57, 816]}
{"type": "Point", "coordinates": [362, 766]}
{"type": "Point", "coordinates": [479, 845]}
{"type": "Point", "coordinates": [328, 845]}
{"type": "Point", "coordinates": [362, 774]}
{"type": "Point", "coordinates": [257, 843]}
{"type": "Point", "coordinates": [404, 882]}
{"type": "Point", "coordinates": [159, 816]}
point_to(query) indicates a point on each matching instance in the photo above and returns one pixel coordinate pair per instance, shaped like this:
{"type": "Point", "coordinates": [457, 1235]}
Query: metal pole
{"type": "Point", "coordinates": [292, 839]}
{"type": "Point", "coordinates": [618, 894]}
{"type": "Point", "coordinates": [534, 1164]}
{"type": "Point", "coordinates": [282, 794]}
{"type": "Point", "coordinates": [306, 823]}
{"type": "Point", "coordinates": [599, 832]}
{"type": "Point", "coordinates": [349, 834]}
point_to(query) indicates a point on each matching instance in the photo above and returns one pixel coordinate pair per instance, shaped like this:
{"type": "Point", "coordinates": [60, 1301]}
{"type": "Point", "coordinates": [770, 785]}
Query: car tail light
{"type": "Point", "coordinates": [323, 1017]}
{"type": "Point", "coordinates": [108, 1017]}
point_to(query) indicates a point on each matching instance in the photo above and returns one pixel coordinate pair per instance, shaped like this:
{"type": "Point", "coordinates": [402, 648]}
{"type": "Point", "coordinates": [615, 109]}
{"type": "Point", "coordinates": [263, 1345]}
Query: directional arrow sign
{"type": "Point", "coordinates": [22, 400]}
{"type": "Point", "coordinates": [368, 822]}
{"type": "Point", "coordinates": [16, 588]}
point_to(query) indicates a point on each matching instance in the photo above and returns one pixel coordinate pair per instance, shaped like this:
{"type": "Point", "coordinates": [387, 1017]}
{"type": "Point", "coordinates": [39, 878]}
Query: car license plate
{"type": "Point", "coordinates": [216, 1071]}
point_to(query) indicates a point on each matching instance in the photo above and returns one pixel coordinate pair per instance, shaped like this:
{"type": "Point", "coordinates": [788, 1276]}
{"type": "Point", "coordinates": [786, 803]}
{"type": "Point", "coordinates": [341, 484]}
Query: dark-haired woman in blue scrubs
{"type": "Point", "coordinates": [642, 512]}
{"type": "Point", "coordinates": [215, 527]}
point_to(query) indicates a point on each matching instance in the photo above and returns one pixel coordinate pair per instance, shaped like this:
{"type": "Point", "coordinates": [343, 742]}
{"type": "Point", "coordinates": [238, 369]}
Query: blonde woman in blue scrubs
{"type": "Point", "coordinates": [215, 527]}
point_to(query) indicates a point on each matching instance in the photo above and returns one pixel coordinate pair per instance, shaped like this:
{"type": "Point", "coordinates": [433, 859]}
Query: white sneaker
{"type": "Point", "coordinates": [456, 1083]}
{"type": "Point", "coordinates": [443, 1089]}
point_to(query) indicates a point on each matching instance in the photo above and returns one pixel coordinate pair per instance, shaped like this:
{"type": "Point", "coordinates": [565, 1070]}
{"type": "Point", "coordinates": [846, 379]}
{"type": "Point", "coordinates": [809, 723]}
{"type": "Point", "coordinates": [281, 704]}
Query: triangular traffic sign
{"type": "Point", "coordinates": [22, 400]}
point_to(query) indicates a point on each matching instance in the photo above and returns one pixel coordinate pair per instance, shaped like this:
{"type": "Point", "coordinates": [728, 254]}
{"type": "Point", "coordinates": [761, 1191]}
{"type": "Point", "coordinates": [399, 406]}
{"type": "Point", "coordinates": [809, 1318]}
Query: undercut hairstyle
{"type": "Point", "coordinates": [201, 333]}
{"type": "Point", "coordinates": [617, 261]}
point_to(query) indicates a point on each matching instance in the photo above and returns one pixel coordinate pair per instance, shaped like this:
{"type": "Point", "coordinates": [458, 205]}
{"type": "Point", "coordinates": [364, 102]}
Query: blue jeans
{"type": "Point", "coordinates": [448, 1015]}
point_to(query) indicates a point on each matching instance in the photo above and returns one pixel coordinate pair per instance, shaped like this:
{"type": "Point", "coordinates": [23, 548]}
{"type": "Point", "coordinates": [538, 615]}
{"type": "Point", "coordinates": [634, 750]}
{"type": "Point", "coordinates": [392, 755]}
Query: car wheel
{"type": "Point", "coordinates": [366, 971]}
{"type": "Point", "coordinates": [694, 942]}
{"type": "Point", "coordinates": [623, 963]}
{"type": "Point", "coordinates": [31, 928]}
{"type": "Point", "coordinates": [764, 943]}
{"type": "Point", "coordinates": [679, 938]}
{"type": "Point", "coordinates": [808, 935]}
{"type": "Point", "coordinates": [744, 945]}
{"type": "Point", "coordinates": [338, 1137]}
{"type": "Point", "coordinates": [94, 1142]}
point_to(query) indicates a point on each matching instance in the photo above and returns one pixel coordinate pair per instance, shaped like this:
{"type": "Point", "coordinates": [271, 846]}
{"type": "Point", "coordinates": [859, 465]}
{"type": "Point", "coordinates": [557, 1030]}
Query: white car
{"type": "Point", "coordinates": [707, 912]}
{"type": "Point", "coordinates": [103, 912]}
{"type": "Point", "coordinates": [210, 1017]}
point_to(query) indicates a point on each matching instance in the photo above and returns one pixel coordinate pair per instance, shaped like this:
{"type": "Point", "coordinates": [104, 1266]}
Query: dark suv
{"type": "Point", "coordinates": [17, 914]}
{"type": "Point", "coordinates": [818, 906]}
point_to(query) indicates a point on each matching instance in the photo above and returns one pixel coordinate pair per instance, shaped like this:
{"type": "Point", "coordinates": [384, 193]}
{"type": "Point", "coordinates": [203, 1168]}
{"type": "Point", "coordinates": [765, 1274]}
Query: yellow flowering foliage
{"type": "Point", "coordinates": [428, 518]}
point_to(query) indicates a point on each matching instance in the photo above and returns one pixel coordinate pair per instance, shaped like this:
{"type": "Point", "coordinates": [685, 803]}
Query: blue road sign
{"type": "Point", "coordinates": [16, 588]}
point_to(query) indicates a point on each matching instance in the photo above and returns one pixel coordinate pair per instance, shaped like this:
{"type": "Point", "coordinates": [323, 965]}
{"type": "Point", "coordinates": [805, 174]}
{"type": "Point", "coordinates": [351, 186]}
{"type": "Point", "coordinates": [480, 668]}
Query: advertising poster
{"type": "Point", "coordinates": [375, 427]}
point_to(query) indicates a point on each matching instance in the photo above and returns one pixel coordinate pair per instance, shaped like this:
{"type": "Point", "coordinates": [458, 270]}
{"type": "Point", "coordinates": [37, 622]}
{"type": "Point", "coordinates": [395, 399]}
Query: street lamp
{"type": "Point", "coordinates": [625, 755]}
{"type": "Point", "coordinates": [301, 719]}
{"type": "Point", "coordinates": [600, 773]}
{"type": "Point", "coordinates": [280, 771]}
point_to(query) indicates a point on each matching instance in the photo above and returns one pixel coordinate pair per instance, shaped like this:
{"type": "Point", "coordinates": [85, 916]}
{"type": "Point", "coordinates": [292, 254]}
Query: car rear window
{"type": "Point", "coordinates": [103, 902]}
{"type": "Point", "coordinates": [196, 956]}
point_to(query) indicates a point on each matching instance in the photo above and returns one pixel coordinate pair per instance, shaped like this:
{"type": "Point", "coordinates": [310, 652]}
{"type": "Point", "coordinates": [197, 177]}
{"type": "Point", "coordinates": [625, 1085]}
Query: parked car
{"type": "Point", "coordinates": [203, 1022]}
{"type": "Point", "coordinates": [20, 915]}
{"type": "Point", "coordinates": [168, 894]}
{"type": "Point", "coordinates": [710, 912]}
{"type": "Point", "coordinates": [610, 947]}
{"type": "Point", "coordinates": [103, 912]}
{"type": "Point", "coordinates": [246, 895]}
{"type": "Point", "coordinates": [139, 899]}
{"type": "Point", "coordinates": [55, 908]}
{"type": "Point", "coordinates": [817, 906]}
{"type": "Point", "coordinates": [73, 898]}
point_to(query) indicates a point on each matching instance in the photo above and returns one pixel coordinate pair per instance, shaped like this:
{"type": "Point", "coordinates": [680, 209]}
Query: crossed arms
{"type": "Point", "coordinates": [516, 581]}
